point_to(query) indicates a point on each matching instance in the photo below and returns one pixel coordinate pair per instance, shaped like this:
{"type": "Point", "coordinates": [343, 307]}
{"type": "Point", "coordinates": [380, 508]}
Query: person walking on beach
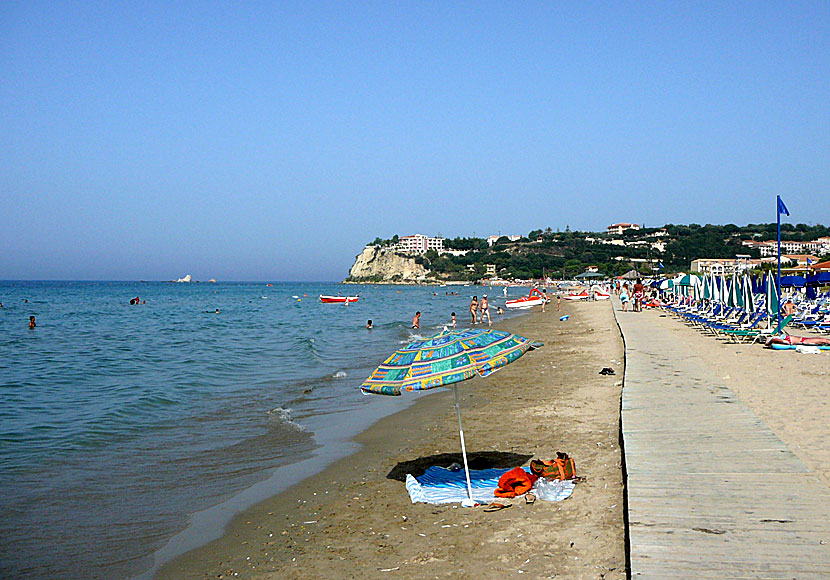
{"type": "Point", "coordinates": [544, 298]}
{"type": "Point", "coordinates": [624, 297]}
{"type": "Point", "coordinates": [416, 321]}
{"type": "Point", "coordinates": [638, 295]}
{"type": "Point", "coordinates": [32, 322]}
{"type": "Point", "coordinates": [453, 320]}
{"type": "Point", "coordinates": [559, 303]}
{"type": "Point", "coordinates": [473, 309]}
{"type": "Point", "coordinates": [485, 310]}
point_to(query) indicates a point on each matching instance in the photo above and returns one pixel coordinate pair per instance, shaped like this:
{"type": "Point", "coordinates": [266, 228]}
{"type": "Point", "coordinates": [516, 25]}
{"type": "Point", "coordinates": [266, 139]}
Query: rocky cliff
{"type": "Point", "coordinates": [377, 264]}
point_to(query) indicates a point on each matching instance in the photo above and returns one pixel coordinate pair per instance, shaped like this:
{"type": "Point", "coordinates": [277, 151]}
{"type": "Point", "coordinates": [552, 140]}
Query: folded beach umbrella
{"type": "Point", "coordinates": [446, 359]}
{"type": "Point", "coordinates": [771, 298]}
{"type": "Point", "coordinates": [747, 294]}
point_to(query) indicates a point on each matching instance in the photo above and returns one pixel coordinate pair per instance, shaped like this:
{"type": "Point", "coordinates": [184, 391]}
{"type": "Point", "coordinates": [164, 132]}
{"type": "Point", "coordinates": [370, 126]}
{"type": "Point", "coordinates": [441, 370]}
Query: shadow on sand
{"type": "Point", "coordinates": [476, 460]}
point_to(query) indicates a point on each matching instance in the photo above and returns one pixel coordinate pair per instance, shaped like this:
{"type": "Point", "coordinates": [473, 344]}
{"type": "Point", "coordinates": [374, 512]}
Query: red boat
{"type": "Point", "coordinates": [574, 296]}
{"type": "Point", "coordinates": [338, 299]}
{"type": "Point", "coordinates": [533, 299]}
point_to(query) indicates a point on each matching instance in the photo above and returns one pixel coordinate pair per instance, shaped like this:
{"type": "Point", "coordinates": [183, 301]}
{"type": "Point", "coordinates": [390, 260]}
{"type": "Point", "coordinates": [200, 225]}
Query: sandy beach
{"type": "Point", "coordinates": [354, 521]}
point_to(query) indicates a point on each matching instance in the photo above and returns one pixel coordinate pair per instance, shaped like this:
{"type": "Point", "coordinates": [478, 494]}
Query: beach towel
{"type": "Point", "coordinates": [439, 485]}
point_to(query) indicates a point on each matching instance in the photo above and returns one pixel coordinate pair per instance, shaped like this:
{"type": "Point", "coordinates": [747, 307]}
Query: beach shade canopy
{"type": "Point", "coordinates": [793, 281]}
{"type": "Point", "coordinates": [446, 359]}
{"type": "Point", "coordinates": [819, 279]}
{"type": "Point", "coordinates": [686, 280]}
{"type": "Point", "coordinates": [666, 284]}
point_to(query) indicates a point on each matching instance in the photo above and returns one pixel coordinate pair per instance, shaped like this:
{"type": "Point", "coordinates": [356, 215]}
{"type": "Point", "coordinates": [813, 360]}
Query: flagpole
{"type": "Point", "coordinates": [778, 281]}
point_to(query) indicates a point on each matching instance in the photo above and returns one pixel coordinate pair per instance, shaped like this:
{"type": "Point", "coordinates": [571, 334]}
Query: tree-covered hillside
{"type": "Point", "coordinates": [566, 254]}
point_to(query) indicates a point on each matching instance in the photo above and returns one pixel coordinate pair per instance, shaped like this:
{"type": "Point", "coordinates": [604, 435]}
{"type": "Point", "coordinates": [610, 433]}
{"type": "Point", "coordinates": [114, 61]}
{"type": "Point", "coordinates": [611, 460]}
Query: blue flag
{"type": "Point", "coordinates": [782, 208]}
{"type": "Point", "coordinates": [660, 265]}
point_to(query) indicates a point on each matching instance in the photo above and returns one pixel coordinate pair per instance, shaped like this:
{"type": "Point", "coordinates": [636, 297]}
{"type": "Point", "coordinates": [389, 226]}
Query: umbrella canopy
{"type": "Point", "coordinates": [686, 280]}
{"type": "Point", "coordinates": [819, 279]}
{"type": "Point", "coordinates": [707, 287]}
{"type": "Point", "coordinates": [793, 281]}
{"type": "Point", "coordinates": [446, 359]}
{"type": "Point", "coordinates": [735, 297]}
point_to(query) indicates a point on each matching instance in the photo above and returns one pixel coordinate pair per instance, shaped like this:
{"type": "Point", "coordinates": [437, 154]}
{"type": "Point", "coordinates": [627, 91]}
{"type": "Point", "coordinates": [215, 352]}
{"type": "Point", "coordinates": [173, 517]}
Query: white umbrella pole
{"type": "Point", "coordinates": [470, 503]}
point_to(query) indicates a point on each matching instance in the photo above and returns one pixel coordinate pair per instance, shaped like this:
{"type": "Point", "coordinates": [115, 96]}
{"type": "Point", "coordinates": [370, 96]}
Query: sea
{"type": "Point", "coordinates": [132, 433]}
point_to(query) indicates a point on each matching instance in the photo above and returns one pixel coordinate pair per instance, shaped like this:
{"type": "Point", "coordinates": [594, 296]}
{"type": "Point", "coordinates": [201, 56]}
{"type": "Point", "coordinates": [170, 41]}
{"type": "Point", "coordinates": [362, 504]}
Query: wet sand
{"type": "Point", "coordinates": [354, 520]}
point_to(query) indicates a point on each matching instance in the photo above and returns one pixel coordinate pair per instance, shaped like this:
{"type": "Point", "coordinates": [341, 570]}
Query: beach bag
{"type": "Point", "coordinates": [515, 482]}
{"type": "Point", "coordinates": [563, 467]}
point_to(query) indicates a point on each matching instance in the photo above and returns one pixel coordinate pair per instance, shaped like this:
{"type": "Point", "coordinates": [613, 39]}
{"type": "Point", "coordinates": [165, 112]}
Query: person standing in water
{"type": "Point", "coordinates": [473, 309]}
{"type": "Point", "coordinates": [453, 320]}
{"type": "Point", "coordinates": [485, 310]}
{"type": "Point", "coordinates": [369, 325]}
{"type": "Point", "coordinates": [32, 323]}
{"type": "Point", "coordinates": [416, 321]}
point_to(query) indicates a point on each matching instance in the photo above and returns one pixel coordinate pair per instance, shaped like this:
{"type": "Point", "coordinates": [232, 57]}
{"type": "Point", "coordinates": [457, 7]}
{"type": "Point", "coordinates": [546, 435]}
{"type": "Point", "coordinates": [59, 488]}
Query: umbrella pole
{"type": "Point", "coordinates": [470, 502]}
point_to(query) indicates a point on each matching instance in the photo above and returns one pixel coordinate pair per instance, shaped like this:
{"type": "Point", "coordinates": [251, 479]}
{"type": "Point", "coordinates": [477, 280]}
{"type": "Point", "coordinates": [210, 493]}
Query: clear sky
{"type": "Point", "coordinates": [273, 140]}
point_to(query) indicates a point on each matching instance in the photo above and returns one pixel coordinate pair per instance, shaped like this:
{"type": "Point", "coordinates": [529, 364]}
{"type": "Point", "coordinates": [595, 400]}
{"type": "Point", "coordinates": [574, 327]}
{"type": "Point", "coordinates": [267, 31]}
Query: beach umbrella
{"type": "Point", "coordinates": [446, 359]}
{"type": "Point", "coordinates": [735, 297]}
{"type": "Point", "coordinates": [707, 287]}
{"type": "Point", "coordinates": [771, 298]}
{"type": "Point", "coordinates": [748, 295]}
{"type": "Point", "coordinates": [793, 281]}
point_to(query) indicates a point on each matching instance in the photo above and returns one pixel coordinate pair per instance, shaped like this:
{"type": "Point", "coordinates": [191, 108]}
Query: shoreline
{"type": "Point", "coordinates": [351, 512]}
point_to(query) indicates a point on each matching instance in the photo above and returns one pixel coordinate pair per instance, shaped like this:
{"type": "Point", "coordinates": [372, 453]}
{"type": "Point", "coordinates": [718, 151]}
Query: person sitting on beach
{"type": "Point", "coordinates": [473, 309]}
{"type": "Point", "coordinates": [32, 322]}
{"type": "Point", "coordinates": [369, 324]}
{"type": "Point", "coordinates": [485, 310]}
{"type": "Point", "coordinates": [789, 308]}
{"type": "Point", "coordinates": [416, 321]}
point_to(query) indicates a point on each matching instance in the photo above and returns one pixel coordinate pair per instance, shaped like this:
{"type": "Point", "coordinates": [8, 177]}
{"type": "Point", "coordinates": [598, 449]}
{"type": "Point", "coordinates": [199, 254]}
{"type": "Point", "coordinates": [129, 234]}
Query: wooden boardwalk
{"type": "Point", "coordinates": [711, 491]}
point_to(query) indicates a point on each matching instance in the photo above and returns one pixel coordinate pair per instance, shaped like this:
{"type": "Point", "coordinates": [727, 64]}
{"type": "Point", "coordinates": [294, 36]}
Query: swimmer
{"type": "Point", "coordinates": [416, 321]}
{"type": "Point", "coordinates": [453, 320]}
{"type": "Point", "coordinates": [499, 311]}
{"type": "Point", "coordinates": [32, 322]}
{"type": "Point", "coordinates": [369, 325]}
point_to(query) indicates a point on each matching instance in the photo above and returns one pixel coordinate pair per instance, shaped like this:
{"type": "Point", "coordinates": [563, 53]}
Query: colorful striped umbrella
{"type": "Point", "coordinates": [445, 359]}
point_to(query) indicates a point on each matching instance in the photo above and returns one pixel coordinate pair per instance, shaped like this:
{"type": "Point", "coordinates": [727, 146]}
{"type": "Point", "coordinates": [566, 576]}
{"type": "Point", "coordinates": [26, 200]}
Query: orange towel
{"type": "Point", "coordinates": [515, 482]}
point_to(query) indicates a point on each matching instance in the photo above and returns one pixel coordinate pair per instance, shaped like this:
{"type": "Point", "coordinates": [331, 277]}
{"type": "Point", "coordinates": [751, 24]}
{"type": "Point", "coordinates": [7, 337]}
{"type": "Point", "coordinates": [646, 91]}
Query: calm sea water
{"type": "Point", "coordinates": [120, 422]}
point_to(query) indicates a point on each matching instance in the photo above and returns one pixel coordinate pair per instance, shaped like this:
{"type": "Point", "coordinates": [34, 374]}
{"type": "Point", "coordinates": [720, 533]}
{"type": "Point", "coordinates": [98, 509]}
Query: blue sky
{"type": "Point", "coordinates": [271, 141]}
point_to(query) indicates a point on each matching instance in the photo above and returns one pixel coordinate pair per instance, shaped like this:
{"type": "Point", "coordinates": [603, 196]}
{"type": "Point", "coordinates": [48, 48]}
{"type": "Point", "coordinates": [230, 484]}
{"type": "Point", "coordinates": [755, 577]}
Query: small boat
{"type": "Point", "coordinates": [535, 298]}
{"type": "Point", "coordinates": [338, 299]}
{"type": "Point", "coordinates": [574, 296]}
{"type": "Point", "coordinates": [599, 293]}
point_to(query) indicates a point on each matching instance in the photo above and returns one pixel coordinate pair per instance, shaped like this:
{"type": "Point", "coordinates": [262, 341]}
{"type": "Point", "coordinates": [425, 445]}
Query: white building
{"type": "Point", "coordinates": [620, 228]}
{"type": "Point", "coordinates": [493, 239]}
{"type": "Point", "coordinates": [419, 244]}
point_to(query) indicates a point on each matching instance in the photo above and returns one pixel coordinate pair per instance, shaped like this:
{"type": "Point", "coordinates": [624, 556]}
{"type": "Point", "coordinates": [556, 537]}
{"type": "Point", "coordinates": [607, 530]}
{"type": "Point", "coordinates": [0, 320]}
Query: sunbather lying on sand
{"type": "Point", "coordinates": [788, 339]}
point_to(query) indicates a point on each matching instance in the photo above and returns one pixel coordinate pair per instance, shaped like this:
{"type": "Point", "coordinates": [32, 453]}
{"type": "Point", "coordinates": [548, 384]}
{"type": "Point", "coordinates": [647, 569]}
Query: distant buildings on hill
{"type": "Point", "coordinates": [740, 264]}
{"type": "Point", "coordinates": [819, 246]}
{"type": "Point", "coordinates": [620, 228]}
{"type": "Point", "coordinates": [419, 244]}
